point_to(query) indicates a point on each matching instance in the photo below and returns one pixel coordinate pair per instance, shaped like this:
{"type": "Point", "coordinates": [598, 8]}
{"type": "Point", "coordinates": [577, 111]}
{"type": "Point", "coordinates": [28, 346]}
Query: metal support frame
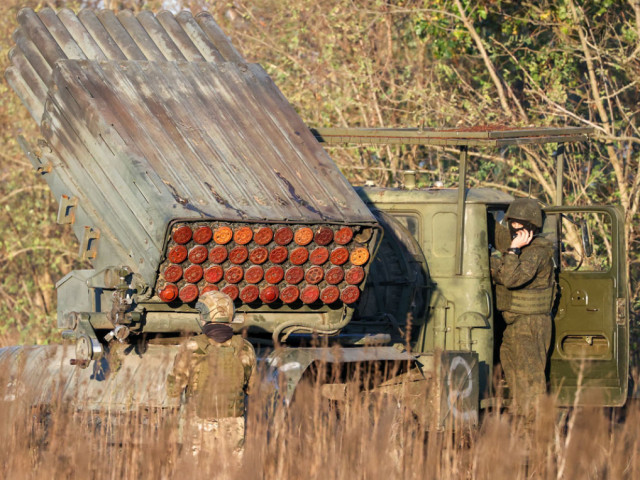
{"type": "Point", "coordinates": [462, 195]}
{"type": "Point", "coordinates": [559, 173]}
{"type": "Point", "coordinates": [481, 137]}
{"type": "Point", "coordinates": [463, 139]}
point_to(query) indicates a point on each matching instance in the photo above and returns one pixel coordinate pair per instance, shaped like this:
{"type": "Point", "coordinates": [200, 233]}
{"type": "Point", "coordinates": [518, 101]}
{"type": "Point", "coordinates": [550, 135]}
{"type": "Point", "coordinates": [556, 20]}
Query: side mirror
{"type": "Point", "coordinates": [587, 248]}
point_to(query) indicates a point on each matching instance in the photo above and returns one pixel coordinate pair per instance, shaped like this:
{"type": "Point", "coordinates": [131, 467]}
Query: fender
{"type": "Point", "coordinates": [453, 374]}
{"type": "Point", "coordinates": [123, 381]}
{"type": "Point", "coordinates": [286, 366]}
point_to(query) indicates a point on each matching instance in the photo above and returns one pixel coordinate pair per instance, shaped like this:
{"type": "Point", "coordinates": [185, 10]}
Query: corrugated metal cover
{"type": "Point", "coordinates": [151, 118]}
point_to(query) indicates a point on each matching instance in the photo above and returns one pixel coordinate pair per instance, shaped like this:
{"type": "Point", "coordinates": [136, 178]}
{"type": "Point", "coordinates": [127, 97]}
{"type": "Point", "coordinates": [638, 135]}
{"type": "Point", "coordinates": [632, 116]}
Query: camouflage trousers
{"type": "Point", "coordinates": [523, 355]}
{"type": "Point", "coordinates": [222, 434]}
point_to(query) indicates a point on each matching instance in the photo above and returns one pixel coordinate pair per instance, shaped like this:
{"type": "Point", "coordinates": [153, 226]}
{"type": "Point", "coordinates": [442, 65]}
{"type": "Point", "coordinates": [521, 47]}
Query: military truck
{"type": "Point", "coordinates": [443, 282]}
{"type": "Point", "coordinates": [182, 169]}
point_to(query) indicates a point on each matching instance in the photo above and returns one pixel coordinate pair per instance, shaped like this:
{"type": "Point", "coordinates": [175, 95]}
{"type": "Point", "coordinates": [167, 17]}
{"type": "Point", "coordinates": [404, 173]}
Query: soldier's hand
{"type": "Point", "coordinates": [522, 239]}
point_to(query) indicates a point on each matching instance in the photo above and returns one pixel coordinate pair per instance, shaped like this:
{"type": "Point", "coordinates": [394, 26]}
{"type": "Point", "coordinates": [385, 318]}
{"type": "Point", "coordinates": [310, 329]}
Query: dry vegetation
{"type": "Point", "coordinates": [395, 64]}
{"type": "Point", "coordinates": [369, 440]}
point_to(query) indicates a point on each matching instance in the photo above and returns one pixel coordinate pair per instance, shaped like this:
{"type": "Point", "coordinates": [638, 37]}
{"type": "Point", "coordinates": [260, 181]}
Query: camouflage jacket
{"type": "Point", "coordinates": [214, 376]}
{"type": "Point", "coordinates": [526, 282]}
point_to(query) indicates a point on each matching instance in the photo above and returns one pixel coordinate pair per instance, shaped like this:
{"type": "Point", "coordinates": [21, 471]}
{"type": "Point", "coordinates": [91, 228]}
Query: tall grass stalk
{"type": "Point", "coordinates": [371, 437]}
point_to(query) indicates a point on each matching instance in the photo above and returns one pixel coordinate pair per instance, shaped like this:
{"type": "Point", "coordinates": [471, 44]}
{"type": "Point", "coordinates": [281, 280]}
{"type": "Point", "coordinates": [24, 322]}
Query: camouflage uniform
{"type": "Point", "coordinates": [214, 378]}
{"type": "Point", "coordinates": [525, 290]}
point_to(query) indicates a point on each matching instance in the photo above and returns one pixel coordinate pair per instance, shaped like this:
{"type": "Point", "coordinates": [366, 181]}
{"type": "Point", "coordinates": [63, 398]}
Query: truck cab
{"type": "Point", "coordinates": [451, 311]}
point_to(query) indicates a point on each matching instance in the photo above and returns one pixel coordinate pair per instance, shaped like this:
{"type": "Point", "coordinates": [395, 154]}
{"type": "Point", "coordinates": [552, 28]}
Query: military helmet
{"type": "Point", "coordinates": [215, 307]}
{"type": "Point", "coordinates": [526, 209]}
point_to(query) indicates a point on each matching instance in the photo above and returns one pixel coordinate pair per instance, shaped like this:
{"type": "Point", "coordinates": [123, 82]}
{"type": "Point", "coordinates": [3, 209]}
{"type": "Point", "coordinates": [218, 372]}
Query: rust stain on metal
{"type": "Point", "coordinates": [295, 196]}
{"type": "Point", "coordinates": [176, 196]}
{"type": "Point", "coordinates": [222, 201]}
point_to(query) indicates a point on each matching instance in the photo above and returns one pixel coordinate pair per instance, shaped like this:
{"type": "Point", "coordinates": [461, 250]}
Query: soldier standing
{"type": "Point", "coordinates": [525, 290]}
{"type": "Point", "coordinates": [212, 373]}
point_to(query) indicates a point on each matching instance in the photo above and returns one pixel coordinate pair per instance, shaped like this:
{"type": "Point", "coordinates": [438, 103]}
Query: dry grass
{"type": "Point", "coordinates": [368, 440]}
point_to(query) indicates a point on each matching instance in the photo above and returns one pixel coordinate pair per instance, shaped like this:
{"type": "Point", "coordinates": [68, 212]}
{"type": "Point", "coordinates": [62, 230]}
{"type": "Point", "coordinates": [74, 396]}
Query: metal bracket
{"type": "Point", "coordinates": [120, 333]}
{"type": "Point", "coordinates": [88, 347]}
{"type": "Point", "coordinates": [39, 166]}
{"type": "Point", "coordinates": [89, 244]}
{"type": "Point", "coordinates": [462, 198]}
{"type": "Point", "coordinates": [67, 210]}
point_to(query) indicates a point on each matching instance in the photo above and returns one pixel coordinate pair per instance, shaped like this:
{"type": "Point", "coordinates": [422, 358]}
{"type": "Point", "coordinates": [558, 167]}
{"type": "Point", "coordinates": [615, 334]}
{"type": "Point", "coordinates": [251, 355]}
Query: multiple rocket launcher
{"type": "Point", "coordinates": [183, 169]}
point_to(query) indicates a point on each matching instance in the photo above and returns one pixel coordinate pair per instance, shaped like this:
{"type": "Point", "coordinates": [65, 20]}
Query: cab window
{"type": "Point", "coordinates": [411, 222]}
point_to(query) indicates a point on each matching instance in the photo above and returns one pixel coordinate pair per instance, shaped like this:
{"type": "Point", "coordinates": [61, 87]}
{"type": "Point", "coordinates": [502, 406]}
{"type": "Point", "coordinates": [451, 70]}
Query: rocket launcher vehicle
{"type": "Point", "coordinates": [183, 169]}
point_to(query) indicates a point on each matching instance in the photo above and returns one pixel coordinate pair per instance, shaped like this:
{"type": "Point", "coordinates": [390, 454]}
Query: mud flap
{"type": "Point", "coordinates": [454, 389]}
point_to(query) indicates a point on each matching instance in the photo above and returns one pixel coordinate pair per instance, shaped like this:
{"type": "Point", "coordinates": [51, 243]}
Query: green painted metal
{"type": "Point", "coordinates": [459, 314]}
{"type": "Point", "coordinates": [559, 176]}
{"type": "Point", "coordinates": [138, 137]}
{"type": "Point", "coordinates": [461, 211]}
{"type": "Point", "coordinates": [153, 120]}
{"type": "Point", "coordinates": [590, 354]}
{"type": "Point", "coordinates": [484, 137]}
{"type": "Point", "coordinates": [463, 138]}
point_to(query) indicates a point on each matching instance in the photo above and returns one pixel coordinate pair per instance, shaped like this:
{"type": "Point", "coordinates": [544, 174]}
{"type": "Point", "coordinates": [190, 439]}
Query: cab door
{"type": "Point", "coordinates": [590, 347]}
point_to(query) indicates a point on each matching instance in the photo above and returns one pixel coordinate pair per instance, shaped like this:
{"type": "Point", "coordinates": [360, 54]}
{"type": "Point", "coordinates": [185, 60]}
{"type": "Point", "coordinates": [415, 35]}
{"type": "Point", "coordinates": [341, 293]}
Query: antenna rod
{"type": "Point", "coordinates": [559, 173]}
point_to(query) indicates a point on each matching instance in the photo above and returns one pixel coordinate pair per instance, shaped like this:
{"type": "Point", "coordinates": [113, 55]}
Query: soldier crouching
{"type": "Point", "coordinates": [211, 373]}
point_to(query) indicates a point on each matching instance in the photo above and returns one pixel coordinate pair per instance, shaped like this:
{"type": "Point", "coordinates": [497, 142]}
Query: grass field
{"type": "Point", "coordinates": [368, 440]}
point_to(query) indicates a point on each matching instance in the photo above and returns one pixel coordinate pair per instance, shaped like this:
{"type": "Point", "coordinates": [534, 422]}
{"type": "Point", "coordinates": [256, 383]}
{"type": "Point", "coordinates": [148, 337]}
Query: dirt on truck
{"type": "Point", "coordinates": [183, 171]}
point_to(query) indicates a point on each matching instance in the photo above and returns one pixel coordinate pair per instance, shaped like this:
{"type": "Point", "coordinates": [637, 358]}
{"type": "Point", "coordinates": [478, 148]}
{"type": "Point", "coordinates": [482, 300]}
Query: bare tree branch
{"type": "Point", "coordinates": [487, 61]}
